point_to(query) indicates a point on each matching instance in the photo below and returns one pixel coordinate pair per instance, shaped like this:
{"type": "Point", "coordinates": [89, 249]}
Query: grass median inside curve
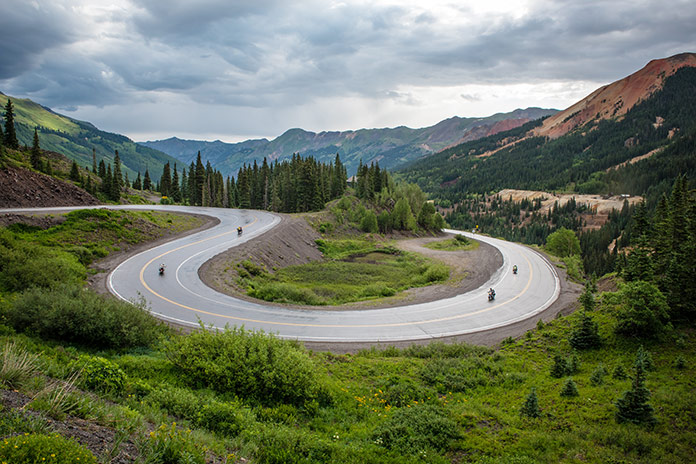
{"type": "Point", "coordinates": [353, 270]}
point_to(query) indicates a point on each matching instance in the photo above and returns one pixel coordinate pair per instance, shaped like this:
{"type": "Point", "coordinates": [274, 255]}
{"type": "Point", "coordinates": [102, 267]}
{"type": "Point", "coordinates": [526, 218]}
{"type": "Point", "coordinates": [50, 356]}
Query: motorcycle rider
{"type": "Point", "coordinates": [514, 269]}
{"type": "Point", "coordinates": [491, 293]}
{"type": "Point", "coordinates": [239, 230]}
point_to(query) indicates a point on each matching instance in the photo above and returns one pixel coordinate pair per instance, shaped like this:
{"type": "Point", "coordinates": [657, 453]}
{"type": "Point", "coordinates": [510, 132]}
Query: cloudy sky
{"type": "Point", "coordinates": [231, 70]}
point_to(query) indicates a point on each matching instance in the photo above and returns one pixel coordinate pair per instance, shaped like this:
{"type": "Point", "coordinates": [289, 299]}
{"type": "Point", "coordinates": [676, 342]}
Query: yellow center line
{"type": "Point", "coordinates": [294, 324]}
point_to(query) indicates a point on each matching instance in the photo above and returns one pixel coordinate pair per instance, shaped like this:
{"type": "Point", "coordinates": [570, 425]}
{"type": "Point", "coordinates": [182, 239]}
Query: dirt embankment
{"type": "Point", "coordinates": [21, 188]}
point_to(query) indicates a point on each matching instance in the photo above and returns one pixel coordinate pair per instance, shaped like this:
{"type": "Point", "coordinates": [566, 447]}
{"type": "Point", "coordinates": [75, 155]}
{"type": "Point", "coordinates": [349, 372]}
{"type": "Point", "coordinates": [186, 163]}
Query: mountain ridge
{"type": "Point", "coordinates": [75, 139]}
{"type": "Point", "coordinates": [389, 146]}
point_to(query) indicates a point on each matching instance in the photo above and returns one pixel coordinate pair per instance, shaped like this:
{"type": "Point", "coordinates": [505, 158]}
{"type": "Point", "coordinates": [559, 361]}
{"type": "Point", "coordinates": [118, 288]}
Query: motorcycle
{"type": "Point", "coordinates": [161, 270]}
{"type": "Point", "coordinates": [514, 269]}
{"type": "Point", "coordinates": [239, 231]}
{"type": "Point", "coordinates": [491, 295]}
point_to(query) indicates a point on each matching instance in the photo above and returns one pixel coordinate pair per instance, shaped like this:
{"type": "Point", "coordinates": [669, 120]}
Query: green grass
{"type": "Point", "coordinates": [343, 277]}
{"type": "Point", "coordinates": [453, 244]}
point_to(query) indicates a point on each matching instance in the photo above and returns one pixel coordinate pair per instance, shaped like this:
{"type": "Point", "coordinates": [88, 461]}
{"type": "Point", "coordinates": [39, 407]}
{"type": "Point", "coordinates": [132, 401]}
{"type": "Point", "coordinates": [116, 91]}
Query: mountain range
{"type": "Point", "coordinates": [632, 136]}
{"type": "Point", "coordinates": [390, 147]}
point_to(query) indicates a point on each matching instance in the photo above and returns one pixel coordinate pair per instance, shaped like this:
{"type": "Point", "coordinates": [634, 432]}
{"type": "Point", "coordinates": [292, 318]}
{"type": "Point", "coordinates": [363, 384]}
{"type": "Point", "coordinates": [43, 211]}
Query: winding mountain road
{"type": "Point", "coordinates": [180, 296]}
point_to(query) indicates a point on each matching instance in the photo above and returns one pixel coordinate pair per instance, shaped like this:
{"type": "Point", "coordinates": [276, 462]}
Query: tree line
{"type": "Point", "coordinates": [295, 185]}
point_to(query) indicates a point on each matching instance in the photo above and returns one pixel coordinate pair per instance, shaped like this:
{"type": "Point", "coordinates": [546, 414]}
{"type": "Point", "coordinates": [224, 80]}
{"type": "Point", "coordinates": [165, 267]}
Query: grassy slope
{"type": "Point", "coordinates": [75, 139]}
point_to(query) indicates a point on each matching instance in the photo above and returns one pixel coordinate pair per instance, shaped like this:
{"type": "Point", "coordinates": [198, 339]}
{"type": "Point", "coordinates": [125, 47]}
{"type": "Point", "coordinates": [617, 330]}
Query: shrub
{"type": "Point", "coordinates": [51, 449]}
{"type": "Point", "coordinates": [563, 243]}
{"type": "Point", "coordinates": [76, 315]}
{"type": "Point", "coordinates": [100, 374]}
{"type": "Point", "coordinates": [248, 364]}
{"type": "Point", "coordinates": [680, 363]}
{"type": "Point", "coordinates": [225, 418]}
{"type": "Point", "coordinates": [281, 445]}
{"type": "Point", "coordinates": [285, 293]}
{"type": "Point", "coordinates": [16, 365]}
{"type": "Point", "coordinates": [369, 222]}
{"type": "Point", "coordinates": [619, 373]}
{"type": "Point", "coordinates": [169, 445]}
{"type": "Point", "coordinates": [178, 402]}
{"type": "Point", "coordinates": [415, 429]}
{"type": "Point", "coordinates": [643, 312]}
{"type": "Point", "coordinates": [436, 273]}
{"type": "Point", "coordinates": [402, 391]}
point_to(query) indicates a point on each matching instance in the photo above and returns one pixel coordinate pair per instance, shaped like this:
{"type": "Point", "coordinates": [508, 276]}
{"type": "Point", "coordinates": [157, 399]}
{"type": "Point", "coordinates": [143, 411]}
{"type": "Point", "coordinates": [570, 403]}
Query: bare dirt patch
{"type": "Point", "coordinates": [21, 188]}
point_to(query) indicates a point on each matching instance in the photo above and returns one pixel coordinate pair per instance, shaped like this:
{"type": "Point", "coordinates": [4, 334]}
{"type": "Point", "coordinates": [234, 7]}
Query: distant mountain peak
{"type": "Point", "coordinates": [615, 99]}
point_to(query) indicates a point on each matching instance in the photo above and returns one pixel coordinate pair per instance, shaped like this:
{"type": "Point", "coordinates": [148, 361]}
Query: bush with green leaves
{"type": "Point", "coordinates": [99, 374]}
{"type": "Point", "coordinates": [280, 444]}
{"type": "Point", "coordinates": [416, 429]}
{"type": "Point", "coordinates": [179, 402]}
{"type": "Point", "coordinates": [225, 418]}
{"type": "Point", "coordinates": [171, 445]}
{"type": "Point", "coordinates": [40, 448]}
{"type": "Point", "coordinates": [643, 311]}
{"type": "Point", "coordinates": [251, 365]}
{"type": "Point", "coordinates": [77, 315]}
{"type": "Point", "coordinates": [563, 243]}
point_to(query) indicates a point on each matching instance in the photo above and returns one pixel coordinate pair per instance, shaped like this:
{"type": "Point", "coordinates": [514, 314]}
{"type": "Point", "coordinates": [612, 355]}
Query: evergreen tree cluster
{"type": "Point", "coordinates": [399, 206]}
{"type": "Point", "coordinates": [663, 250]}
{"type": "Point", "coordinates": [295, 185]}
{"type": "Point", "coordinates": [112, 182]}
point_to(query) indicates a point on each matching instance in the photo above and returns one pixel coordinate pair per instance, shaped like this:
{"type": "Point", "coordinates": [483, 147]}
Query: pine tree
{"type": "Point", "coordinates": [586, 335]}
{"type": "Point", "coordinates": [10, 133]}
{"type": "Point", "coordinates": [74, 172]}
{"type": "Point", "coordinates": [2, 138]}
{"type": "Point", "coordinates": [117, 178]}
{"type": "Point", "coordinates": [560, 367]}
{"type": "Point", "coordinates": [147, 183]}
{"type": "Point", "coordinates": [138, 183]}
{"type": "Point", "coordinates": [36, 153]}
{"type": "Point", "coordinates": [102, 170]}
{"type": "Point", "coordinates": [597, 377]}
{"type": "Point", "coordinates": [175, 191]}
{"type": "Point", "coordinates": [165, 183]}
{"type": "Point", "coordinates": [619, 372]}
{"type": "Point", "coordinates": [199, 180]}
{"type": "Point", "coordinates": [107, 183]}
{"type": "Point", "coordinates": [94, 160]}
{"type": "Point", "coordinates": [569, 389]}
{"type": "Point", "coordinates": [633, 406]}
{"type": "Point", "coordinates": [530, 408]}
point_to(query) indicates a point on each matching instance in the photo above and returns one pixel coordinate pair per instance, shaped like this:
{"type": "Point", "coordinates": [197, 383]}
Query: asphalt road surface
{"type": "Point", "coordinates": [180, 296]}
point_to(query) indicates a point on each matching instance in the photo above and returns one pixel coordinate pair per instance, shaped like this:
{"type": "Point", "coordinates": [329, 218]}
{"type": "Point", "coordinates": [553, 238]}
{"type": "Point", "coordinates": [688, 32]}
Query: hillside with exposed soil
{"type": "Point", "coordinates": [22, 188]}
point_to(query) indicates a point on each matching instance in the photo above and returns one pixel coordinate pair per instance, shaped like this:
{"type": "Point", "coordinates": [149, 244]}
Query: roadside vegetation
{"type": "Point", "coordinates": [456, 243]}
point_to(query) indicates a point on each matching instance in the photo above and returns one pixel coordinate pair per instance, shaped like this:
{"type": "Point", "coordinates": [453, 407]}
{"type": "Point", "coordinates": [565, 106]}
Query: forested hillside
{"type": "Point", "coordinates": [78, 139]}
{"type": "Point", "coordinates": [662, 126]}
